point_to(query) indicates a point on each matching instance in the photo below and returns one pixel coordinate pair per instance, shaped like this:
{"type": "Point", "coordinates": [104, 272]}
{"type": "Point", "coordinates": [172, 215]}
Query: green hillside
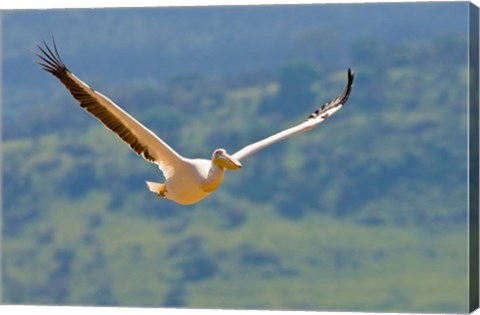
{"type": "Point", "coordinates": [365, 213]}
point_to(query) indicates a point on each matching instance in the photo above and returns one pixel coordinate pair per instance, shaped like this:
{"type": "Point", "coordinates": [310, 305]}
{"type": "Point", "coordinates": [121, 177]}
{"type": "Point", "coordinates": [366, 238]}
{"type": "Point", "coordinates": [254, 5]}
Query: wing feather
{"type": "Point", "coordinates": [143, 141]}
{"type": "Point", "coordinates": [313, 120]}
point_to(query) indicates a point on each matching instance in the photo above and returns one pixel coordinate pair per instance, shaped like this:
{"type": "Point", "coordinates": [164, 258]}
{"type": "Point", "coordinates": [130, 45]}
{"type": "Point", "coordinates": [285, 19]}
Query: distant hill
{"type": "Point", "coordinates": [366, 213]}
{"type": "Point", "coordinates": [119, 44]}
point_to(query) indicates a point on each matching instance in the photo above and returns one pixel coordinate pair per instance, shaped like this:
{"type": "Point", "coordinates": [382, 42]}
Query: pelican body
{"type": "Point", "coordinates": [187, 181]}
{"type": "Point", "coordinates": [194, 179]}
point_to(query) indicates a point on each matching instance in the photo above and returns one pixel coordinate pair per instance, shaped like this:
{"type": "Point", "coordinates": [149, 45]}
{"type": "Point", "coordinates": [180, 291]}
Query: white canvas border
{"type": "Point", "coordinates": [46, 4]}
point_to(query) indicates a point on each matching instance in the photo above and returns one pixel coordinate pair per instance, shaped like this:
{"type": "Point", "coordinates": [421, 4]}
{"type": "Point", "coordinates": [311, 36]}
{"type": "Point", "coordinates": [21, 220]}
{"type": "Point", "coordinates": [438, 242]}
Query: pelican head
{"type": "Point", "coordinates": [221, 158]}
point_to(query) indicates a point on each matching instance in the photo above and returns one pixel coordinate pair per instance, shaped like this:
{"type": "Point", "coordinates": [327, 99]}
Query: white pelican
{"type": "Point", "coordinates": [187, 181]}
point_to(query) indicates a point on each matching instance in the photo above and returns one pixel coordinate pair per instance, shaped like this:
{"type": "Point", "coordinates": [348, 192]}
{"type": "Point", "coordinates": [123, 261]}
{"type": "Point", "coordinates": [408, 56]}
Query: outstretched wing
{"type": "Point", "coordinates": [311, 122]}
{"type": "Point", "coordinates": [143, 141]}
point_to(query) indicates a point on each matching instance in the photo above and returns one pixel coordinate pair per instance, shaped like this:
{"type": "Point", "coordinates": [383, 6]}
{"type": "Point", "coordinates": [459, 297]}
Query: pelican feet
{"type": "Point", "coordinates": [159, 189]}
{"type": "Point", "coordinates": [162, 193]}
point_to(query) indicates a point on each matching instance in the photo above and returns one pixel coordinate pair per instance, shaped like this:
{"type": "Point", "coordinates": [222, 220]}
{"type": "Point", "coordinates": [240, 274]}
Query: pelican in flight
{"type": "Point", "coordinates": [187, 181]}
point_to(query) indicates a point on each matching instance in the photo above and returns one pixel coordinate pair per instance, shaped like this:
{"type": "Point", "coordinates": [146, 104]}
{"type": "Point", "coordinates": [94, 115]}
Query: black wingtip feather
{"type": "Point", "coordinates": [344, 97]}
{"type": "Point", "coordinates": [49, 59]}
{"type": "Point", "coordinates": [340, 100]}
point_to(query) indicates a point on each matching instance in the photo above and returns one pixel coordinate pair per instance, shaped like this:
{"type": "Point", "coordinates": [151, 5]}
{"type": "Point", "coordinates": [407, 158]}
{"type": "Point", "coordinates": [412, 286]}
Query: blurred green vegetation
{"type": "Point", "coordinates": [365, 213]}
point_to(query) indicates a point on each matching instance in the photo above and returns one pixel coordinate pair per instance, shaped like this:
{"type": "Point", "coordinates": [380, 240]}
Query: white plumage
{"type": "Point", "coordinates": [187, 181]}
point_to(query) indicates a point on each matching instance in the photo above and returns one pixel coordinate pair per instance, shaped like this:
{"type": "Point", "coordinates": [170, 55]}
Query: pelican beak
{"type": "Point", "coordinates": [227, 161]}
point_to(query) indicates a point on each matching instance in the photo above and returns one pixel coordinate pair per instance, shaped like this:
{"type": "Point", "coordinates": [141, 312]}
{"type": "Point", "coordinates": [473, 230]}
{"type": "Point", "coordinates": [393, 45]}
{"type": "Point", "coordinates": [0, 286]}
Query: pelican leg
{"type": "Point", "coordinates": [158, 188]}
